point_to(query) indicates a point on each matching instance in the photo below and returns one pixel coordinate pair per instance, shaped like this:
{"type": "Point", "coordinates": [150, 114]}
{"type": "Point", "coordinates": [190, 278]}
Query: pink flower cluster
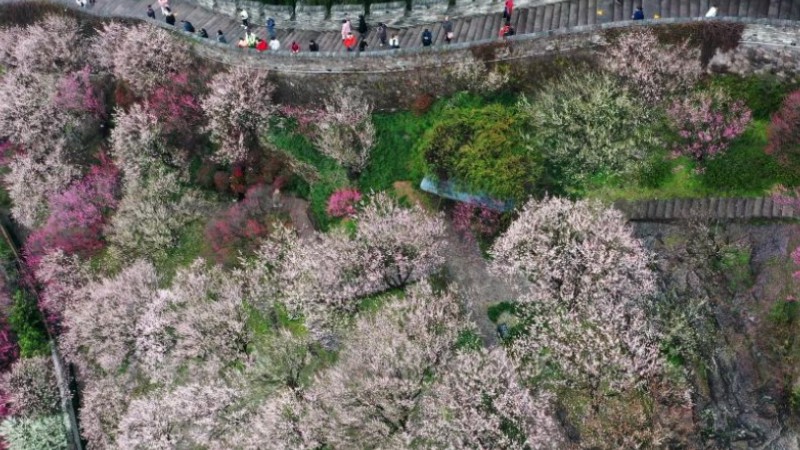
{"type": "Point", "coordinates": [306, 118]}
{"type": "Point", "coordinates": [77, 216]}
{"type": "Point", "coordinates": [76, 93]}
{"type": "Point", "coordinates": [707, 123]}
{"type": "Point", "coordinates": [342, 203]}
{"type": "Point", "coordinates": [472, 220]}
{"type": "Point", "coordinates": [783, 134]}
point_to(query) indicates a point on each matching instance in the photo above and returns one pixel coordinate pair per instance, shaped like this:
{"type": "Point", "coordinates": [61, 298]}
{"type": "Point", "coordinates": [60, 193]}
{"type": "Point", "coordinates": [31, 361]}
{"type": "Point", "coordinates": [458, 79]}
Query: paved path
{"type": "Point", "coordinates": [557, 15]}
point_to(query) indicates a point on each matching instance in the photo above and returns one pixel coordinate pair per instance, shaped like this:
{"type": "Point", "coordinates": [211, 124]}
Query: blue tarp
{"type": "Point", "coordinates": [447, 189]}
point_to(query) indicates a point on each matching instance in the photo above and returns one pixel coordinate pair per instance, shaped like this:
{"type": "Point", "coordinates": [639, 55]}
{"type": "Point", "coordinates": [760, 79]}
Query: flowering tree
{"type": "Point", "coordinates": [238, 108]}
{"type": "Point", "coordinates": [368, 398]}
{"type": "Point", "coordinates": [399, 244]}
{"type": "Point", "coordinates": [77, 216]}
{"type": "Point", "coordinates": [104, 402]}
{"type": "Point", "coordinates": [471, 220]}
{"type": "Point", "coordinates": [655, 70]}
{"type": "Point", "coordinates": [53, 45]}
{"type": "Point", "coordinates": [240, 227]}
{"type": "Point", "coordinates": [476, 403]}
{"type": "Point", "coordinates": [101, 327]}
{"type": "Point", "coordinates": [280, 422]}
{"type": "Point", "coordinates": [783, 134]}
{"type": "Point", "coordinates": [60, 277]}
{"type": "Point", "coordinates": [190, 416]}
{"type": "Point", "coordinates": [345, 131]}
{"type": "Point", "coordinates": [138, 144]}
{"type": "Point", "coordinates": [585, 124]}
{"type": "Point", "coordinates": [77, 92]}
{"type": "Point", "coordinates": [45, 432]}
{"type": "Point", "coordinates": [177, 108]}
{"type": "Point", "coordinates": [32, 386]}
{"type": "Point", "coordinates": [152, 211]}
{"type": "Point", "coordinates": [707, 123]}
{"type": "Point", "coordinates": [120, 50]}
{"type": "Point", "coordinates": [342, 203]}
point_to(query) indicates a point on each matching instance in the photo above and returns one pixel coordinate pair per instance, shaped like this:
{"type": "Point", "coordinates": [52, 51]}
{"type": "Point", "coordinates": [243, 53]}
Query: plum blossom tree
{"type": "Point", "coordinates": [238, 108]}
{"type": "Point", "coordinates": [105, 400]}
{"type": "Point", "coordinates": [60, 277]}
{"type": "Point", "coordinates": [476, 403]}
{"type": "Point", "coordinates": [345, 131]}
{"type": "Point", "coordinates": [279, 423]}
{"type": "Point", "coordinates": [53, 45]}
{"type": "Point", "coordinates": [584, 311]}
{"type": "Point", "coordinates": [190, 416]}
{"type": "Point", "coordinates": [707, 123]}
{"type": "Point", "coordinates": [138, 143]}
{"type": "Point", "coordinates": [119, 49]}
{"type": "Point", "coordinates": [101, 327]}
{"type": "Point", "coordinates": [369, 397]}
{"type": "Point", "coordinates": [33, 387]}
{"type": "Point", "coordinates": [76, 92]}
{"type": "Point", "coordinates": [655, 70]}
{"type": "Point", "coordinates": [783, 133]}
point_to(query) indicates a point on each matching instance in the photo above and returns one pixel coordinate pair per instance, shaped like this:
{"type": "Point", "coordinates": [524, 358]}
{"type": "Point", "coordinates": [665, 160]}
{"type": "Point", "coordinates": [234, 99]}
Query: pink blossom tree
{"type": "Point", "coordinates": [101, 326]}
{"type": "Point", "coordinates": [176, 106]}
{"type": "Point", "coordinates": [707, 123]}
{"type": "Point", "coordinates": [342, 203]}
{"type": "Point", "coordinates": [104, 402]}
{"type": "Point", "coordinates": [52, 45]}
{"type": "Point", "coordinates": [32, 386]}
{"type": "Point", "coordinates": [77, 216]}
{"type": "Point", "coordinates": [238, 108]}
{"type": "Point", "coordinates": [783, 134]}
{"type": "Point", "coordinates": [119, 49]}
{"type": "Point", "coordinates": [655, 70]}
{"type": "Point", "coordinates": [60, 278]}
{"type": "Point", "coordinates": [190, 416]}
{"type": "Point", "coordinates": [472, 220]}
{"type": "Point", "coordinates": [77, 92]}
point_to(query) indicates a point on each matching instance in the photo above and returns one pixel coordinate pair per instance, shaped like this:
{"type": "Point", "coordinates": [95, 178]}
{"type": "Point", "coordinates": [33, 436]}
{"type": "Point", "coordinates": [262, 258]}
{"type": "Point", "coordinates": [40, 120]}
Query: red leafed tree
{"type": "Point", "coordinates": [238, 108]}
{"type": "Point", "coordinates": [240, 227]}
{"type": "Point", "coordinates": [783, 134]}
{"type": "Point", "coordinates": [77, 216]}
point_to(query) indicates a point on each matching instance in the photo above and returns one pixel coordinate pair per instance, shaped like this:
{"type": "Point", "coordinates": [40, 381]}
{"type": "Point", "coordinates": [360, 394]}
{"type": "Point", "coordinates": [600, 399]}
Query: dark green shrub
{"type": "Point", "coordinates": [744, 168]}
{"type": "Point", "coordinates": [481, 149]}
{"type": "Point", "coordinates": [26, 323]}
{"type": "Point", "coordinates": [763, 94]}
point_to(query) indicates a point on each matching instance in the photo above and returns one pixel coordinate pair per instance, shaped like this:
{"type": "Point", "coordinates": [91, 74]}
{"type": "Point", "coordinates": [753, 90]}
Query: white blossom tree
{"type": "Point", "coordinates": [52, 45]}
{"type": "Point", "coordinates": [137, 144]}
{"type": "Point", "coordinates": [61, 277]}
{"type": "Point", "coordinates": [238, 107]}
{"type": "Point", "coordinates": [104, 402]}
{"type": "Point", "coordinates": [344, 130]}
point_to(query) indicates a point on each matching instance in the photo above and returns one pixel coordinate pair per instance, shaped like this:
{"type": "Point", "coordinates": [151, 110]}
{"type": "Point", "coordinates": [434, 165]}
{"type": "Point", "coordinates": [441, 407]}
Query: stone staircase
{"type": "Point", "coordinates": [707, 209]}
{"type": "Point", "coordinates": [542, 18]}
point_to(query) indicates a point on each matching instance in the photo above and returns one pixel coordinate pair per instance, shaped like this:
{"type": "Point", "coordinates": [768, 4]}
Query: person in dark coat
{"type": "Point", "coordinates": [427, 38]}
{"type": "Point", "coordinates": [638, 14]}
{"type": "Point", "coordinates": [150, 13]}
{"type": "Point", "coordinates": [362, 46]}
{"type": "Point", "coordinates": [313, 46]}
{"type": "Point", "coordinates": [447, 29]}
{"type": "Point", "coordinates": [362, 26]}
{"type": "Point", "coordinates": [221, 37]}
{"type": "Point", "coordinates": [187, 26]}
{"type": "Point", "coordinates": [202, 33]}
{"type": "Point", "coordinates": [382, 34]}
{"type": "Point", "coordinates": [170, 16]}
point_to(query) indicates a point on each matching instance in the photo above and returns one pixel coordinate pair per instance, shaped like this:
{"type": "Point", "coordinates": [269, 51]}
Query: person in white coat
{"type": "Point", "coordinates": [274, 44]}
{"type": "Point", "coordinates": [712, 12]}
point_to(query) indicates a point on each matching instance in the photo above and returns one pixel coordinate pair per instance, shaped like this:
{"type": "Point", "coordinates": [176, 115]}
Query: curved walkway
{"type": "Point", "coordinates": [543, 18]}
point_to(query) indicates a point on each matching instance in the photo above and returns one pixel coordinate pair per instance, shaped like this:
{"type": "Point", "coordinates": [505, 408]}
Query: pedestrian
{"type": "Point", "coordinates": [712, 12]}
{"type": "Point", "coordinates": [242, 43]}
{"type": "Point", "coordinates": [362, 46]}
{"type": "Point", "coordinates": [203, 33]}
{"type": "Point", "coordinates": [274, 44]}
{"type": "Point", "coordinates": [271, 27]}
{"type": "Point", "coordinates": [638, 14]}
{"type": "Point", "coordinates": [427, 38]}
{"type": "Point", "coordinates": [169, 16]}
{"type": "Point", "coordinates": [313, 46]}
{"type": "Point", "coordinates": [251, 39]}
{"type": "Point", "coordinates": [394, 42]}
{"type": "Point", "coordinates": [261, 45]}
{"type": "Point", "coordinates": [345, 28]}
{"type": "Point", "coordinates": [81, 3]}
{"type": "Point", "coordinates": [163, 3]}
{"type": "Point", "coordinates": [382, 34]}
{"type": "Point", "coordinates": [221, 37]}
{"type": "Point", "coordinates": [506, 30]}
{"type": "Point", "coordinates": [447, 29]}
{"type": "Point", "coordinates": [350, 41]}
{"type": "Point", "coordinates": [150, 13]}
{"type": "Point", "coordinates": [508, 9]}
{"type": "Point", "coordinates": [295, 47]}
{"type": "Point", "coordinates": [187, 26]}
{"type": "Point", "coordinates": [245, 18]}
{"type": "Point", "coordinates": [362, 26]}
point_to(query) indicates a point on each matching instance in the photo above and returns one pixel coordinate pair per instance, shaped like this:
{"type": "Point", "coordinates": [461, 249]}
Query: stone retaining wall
{"type": "Point", "coordinates": [707, 208]}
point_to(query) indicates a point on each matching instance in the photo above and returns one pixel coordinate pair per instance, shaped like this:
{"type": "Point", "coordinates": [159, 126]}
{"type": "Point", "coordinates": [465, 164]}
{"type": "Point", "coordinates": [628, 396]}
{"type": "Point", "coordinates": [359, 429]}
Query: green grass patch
{"type": "Point", "coordinates": [191, 244]}
{"type": "Point", "coordinates": [495, 311]}
{"type": "Point", "coordinates": [27, 324]}
{"type": "Point", "coordinates": [468, 340]}
{"type": "Point", "coordinates": [375, 302]}
{"type": "Point", "coordinates": [763, 94]}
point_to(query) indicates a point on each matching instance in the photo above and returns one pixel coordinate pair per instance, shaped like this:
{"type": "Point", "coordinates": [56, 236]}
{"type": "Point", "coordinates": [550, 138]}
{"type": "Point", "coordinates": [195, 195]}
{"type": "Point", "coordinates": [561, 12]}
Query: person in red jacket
{"type": "Point", "coordinates": [295, 47]}
{"type": "Point", "coordinates": [508, 9]}
{"type": "Point", "coordinates": [261, 45]}
{"type": "Point", "coordinates": [350, 42]}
